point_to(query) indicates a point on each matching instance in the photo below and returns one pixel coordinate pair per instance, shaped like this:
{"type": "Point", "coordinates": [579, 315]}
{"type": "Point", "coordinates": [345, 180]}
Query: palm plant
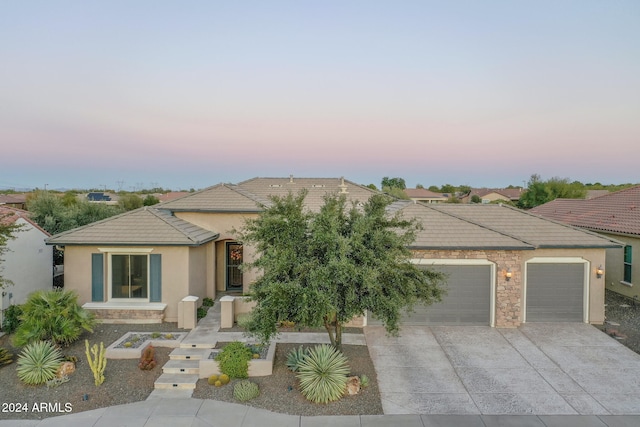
{"type": "Point", "coordinates": [52, 315]}
{"type": "Point", "coordinates": [323, 374]}
{"type": "Point", "coordinates": [38, 363]}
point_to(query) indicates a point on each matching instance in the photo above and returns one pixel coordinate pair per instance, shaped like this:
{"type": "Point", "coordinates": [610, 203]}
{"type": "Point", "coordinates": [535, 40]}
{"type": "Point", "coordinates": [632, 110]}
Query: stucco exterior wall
{"type": "Point", "coordinates": [614, 268]}
{"type": "Point", "coordinates": [28, 263]}
{"type": "Point", "coordinates": [175, 274]}
{"type": "Point", "coordinates": [198, 271]}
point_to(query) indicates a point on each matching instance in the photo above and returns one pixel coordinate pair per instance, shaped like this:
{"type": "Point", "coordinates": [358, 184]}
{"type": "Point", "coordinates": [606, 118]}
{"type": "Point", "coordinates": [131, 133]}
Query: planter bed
{"type": "Point", "coordinates": [257, 367]}
{"type": "Point", "coordinates": [118, 350]}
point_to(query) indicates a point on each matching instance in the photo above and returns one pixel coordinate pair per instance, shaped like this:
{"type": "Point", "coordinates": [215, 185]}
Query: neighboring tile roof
{"type": "Point", "coordinates": [144, 226]}
{"type": "Point", "coordinates": [617, 212]}
{"type": "Point", "coordinates": [219, 198]}
{"type": "Point", "coordinates": [423, 193]}
{"type": "Point", "coordinates": [592, 194]}
{"type": "Point", "coordinates": [10, 215]}
{"type": "Point", "coordinates": [172, 195]}
{"type": "Point", "coordinates": [7, 199]}
{"type": "Point", "coordinates": [508, 193]}
{"type": "Point", "coordinates": [521, 225]}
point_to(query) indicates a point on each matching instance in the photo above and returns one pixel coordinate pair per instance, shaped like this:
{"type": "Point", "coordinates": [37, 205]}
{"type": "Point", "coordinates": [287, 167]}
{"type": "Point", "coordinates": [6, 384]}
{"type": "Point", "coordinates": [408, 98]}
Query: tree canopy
{"type": "Point", "coordinates": [7, 232]}
{"type": "Point", "coordinates": [322, 269]}
{"type": "Point", "coordinates": [394, 183]}
{"type": "Point", "coordinates": [540, 192]}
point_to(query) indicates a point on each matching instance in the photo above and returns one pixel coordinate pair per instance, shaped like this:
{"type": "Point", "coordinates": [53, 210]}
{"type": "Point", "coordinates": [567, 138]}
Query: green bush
{"type": "Point", "coordinates": [207, 302]}
{"type": "Point", "coordinates": [201, 313]}
{"type": "Point", "coordinates": [38, 363]}
{"type": "Point", "coordinates": [295, 357]}
{"type": "Point", "coordinates": [245, 390]}
{"type": "Point", "coordinates": [323, 374]}
{"type": "Point", "coordinates": [52, 315]}
{"type": "Point", "coordinates": [234, 360]}
{"type": "Point", "coordinates": [11, 319]}
{"type": "Point", "coordinates": [244, 320]}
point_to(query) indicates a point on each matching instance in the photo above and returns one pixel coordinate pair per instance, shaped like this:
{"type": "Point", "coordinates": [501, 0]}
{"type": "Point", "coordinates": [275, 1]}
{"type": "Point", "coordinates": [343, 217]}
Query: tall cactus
{"type": "Point", "coordinates": [98, 362]}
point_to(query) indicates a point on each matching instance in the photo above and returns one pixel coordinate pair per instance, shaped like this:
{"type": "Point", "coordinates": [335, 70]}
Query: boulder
{"type": "Point", "coordinates": [353, 385]}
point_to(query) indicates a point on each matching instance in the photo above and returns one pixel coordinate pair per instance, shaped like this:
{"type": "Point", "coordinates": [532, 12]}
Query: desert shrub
{"type": "Point", "coordinates": [52, 315]}
{"type": "Point", "coordinates": [364, 381]}
{"type": "Point", "coordinates": [245, 390]}
{"type": "Point", "coordinates": [295, 357]}
{"type": "Point", "coordinates": [11, 319]}
{"type": "Point", "coordinates": [201, 313]}
{"type": "Point", "coordinates": [323, 374]}
{"type": "Point", "coordinates": [244, 320]}
{"type": "Point", "coordinates": [207, 302]}
{"type": "Point", "coordinates": [5, 357]}
{"type": "Point", "coordinates": [38, 363]}
{"type": "Point", "coordinates": [148, 359]}
{"type": "Point", "coordinates": [234, 360]}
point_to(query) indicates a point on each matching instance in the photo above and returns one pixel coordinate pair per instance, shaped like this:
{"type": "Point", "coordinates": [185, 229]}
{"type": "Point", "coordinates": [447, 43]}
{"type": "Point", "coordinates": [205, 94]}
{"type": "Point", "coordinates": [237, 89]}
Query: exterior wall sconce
{"type": "Point", "coordinates": [507, 274]}
{"type": "Point", "coordinates": [599, 272]}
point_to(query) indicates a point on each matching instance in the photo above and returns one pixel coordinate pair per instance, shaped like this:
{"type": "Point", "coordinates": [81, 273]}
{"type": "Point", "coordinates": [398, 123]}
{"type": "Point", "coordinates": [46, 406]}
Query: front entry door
{"type": "Point", "coordinates": [234, 260]}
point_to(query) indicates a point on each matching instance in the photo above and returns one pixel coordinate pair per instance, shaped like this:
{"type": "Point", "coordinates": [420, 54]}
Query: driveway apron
{"type": "Point", "coordinates": [539, 369]}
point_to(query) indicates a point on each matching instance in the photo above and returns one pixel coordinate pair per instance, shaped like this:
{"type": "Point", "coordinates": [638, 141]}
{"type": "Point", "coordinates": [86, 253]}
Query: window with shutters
{"type": "Point", "coordinates": [129, 276]}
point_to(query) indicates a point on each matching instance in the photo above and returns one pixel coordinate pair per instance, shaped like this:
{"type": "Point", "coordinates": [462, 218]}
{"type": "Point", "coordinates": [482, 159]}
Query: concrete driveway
{"type": "Point", "coordinates": [541, 369]}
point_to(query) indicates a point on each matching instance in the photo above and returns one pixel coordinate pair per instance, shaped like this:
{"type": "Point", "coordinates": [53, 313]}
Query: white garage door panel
{"type": "Point", "coordinates": [555, 292]}
{"type": "Point", "coordinates": [468, 299]}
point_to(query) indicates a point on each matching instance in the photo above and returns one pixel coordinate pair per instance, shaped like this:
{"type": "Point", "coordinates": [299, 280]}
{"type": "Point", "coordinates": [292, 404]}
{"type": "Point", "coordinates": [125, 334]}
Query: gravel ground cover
{"type": "Point", "coordinates": [626, 312]}
{"type": "Point", "coordinates": [280, 393]}
{"type": "Point", "coordinates": [124, 382]}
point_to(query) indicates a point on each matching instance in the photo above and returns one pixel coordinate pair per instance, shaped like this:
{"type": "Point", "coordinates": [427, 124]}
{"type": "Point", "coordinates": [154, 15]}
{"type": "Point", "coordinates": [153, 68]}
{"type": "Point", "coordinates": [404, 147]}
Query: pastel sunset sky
{"type": "Point", "coordinates": [186, 94]}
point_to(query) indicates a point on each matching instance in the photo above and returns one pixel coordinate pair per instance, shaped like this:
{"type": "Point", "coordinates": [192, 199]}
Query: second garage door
{"type": "Point", "coordinates": [555, 292]}
{"type": "Point", "coordinates": [468, 299]}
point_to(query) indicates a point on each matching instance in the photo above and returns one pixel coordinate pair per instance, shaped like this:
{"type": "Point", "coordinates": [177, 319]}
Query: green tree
{"type": "Point", "coordinates": [324, 268]}
{"type": "Point", "coordinates": [150, 200]}
{"type": "Point", "coordinates": [130, 201]}
{"type": "Point", "coordinates": [476, 199]}
{"type": "Point", "coordinates": [448, 188]}
{"type": "Point", "coordinates": [434, 188]}
{"type": "Point", "coordinates": [394, 182]}
{"type": "Point", "coordinates": [539, 192]}
{"type": "Point", "coordinates": [464, 189]}
{"type": "Point", "coordinates": [7, 232]}
{"type": "Point", "coordinates": [398, 193]}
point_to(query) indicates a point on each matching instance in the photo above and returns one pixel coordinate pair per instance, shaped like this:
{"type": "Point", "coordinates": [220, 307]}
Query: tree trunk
{"type": "Point", "coordinates": [327, 326]}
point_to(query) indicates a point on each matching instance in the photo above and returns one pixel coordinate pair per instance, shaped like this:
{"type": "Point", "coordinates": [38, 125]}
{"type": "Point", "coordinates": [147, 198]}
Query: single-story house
{"type": "Point", "coordinates": [28, 262]}
{"type": "Point", "coordinates": [613, 215]}
{"type": "Point", "coordinates": [488, 195]}
{"type": "Point", "coordinates": [425, 196]}
{"type": "Point", "coordinates": [505, 266]}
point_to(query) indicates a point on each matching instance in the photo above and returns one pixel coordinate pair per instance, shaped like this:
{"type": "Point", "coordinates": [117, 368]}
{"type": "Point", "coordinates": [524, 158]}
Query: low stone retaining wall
{"type": "Point", "coordinates": [257, 367]}
{"type": "Point", "coordinates": [118, 351]}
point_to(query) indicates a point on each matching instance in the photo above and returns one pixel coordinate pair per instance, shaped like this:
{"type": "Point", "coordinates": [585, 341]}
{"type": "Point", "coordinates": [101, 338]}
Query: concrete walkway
{"type": "Point", "coordinates": [211, 413]}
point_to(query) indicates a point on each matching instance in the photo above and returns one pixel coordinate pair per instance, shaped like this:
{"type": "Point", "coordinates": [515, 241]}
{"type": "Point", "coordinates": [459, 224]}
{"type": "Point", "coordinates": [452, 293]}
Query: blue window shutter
{"type": "Point", "coordinates": [97, 277]}
{"type": "Point", "coordinates": [155, 278]}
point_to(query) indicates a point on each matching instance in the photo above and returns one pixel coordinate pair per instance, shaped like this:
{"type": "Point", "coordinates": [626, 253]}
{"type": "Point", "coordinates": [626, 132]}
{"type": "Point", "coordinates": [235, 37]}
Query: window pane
{"type": "Point", "coordinates": [627, 254]}
{"type": "Point", "coordinates": [627, 273]}
{"type": "Point", "coordinates": [139, 276]}
{"type": "Point", "coordinates": [119, 276]}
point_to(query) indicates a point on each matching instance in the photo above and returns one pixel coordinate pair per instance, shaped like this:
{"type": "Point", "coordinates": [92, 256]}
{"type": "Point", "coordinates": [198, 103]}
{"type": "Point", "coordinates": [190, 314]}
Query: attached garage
{"type": "Point", "coordinates": [467, 302]}
{"type": "Point", "coordinates": [555, 291]}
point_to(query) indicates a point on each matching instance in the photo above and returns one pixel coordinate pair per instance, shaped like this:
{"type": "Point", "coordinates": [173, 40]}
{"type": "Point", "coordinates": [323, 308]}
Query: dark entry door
{"type": "Point", "coordinates": [234, 260]}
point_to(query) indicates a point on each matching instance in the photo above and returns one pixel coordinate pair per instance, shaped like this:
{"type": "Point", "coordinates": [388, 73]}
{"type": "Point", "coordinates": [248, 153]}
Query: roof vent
{"type": "Point", "coordinates": [343, 186]}
{"type": "Point", "coordinates": [317, 186]}
{"type": "Point", "coordinates": [290, 179]}
{"type": "Point", "coordinates": [275, 185]}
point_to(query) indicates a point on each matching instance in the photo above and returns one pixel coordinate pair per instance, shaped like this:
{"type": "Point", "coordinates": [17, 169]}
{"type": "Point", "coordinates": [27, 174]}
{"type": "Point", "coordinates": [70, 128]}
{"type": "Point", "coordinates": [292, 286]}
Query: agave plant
{"type": "Point", "coordinates": [295, 357]}
{"type": "Point", "coordinates": [38, 363]}
{"type": "Point", "coordinates": [52, 315]}
{"type": "Point", "coordinates": [323, 374]}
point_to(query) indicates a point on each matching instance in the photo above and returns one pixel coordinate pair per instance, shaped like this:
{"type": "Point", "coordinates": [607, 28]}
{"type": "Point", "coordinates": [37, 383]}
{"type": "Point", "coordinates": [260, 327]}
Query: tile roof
{"type": "Point", "coordinates": [617, 212]}
{"type": "Point", "coordinates": [521, 225]}
{"type": "Point", "coordinates": [444, 231]}
{"type": "Point", "coordinates": [423, 193]}
{"type": "Point", "coordinates": [144, 226]}
{"type": "Point", "coordinates": [9, 215]}
{"type": "Point", "coordinates": [218, 198]}
{"type": "Point", "coordinates": [508, 193]}
{"type": "Point", "coordinates": [10, 199]}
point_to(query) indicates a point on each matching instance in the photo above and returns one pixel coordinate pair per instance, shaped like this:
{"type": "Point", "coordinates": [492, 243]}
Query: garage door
{"type": "Point", "coordinates": [555, 292]}
{"type": "Point", "coordinates": [468, 299]}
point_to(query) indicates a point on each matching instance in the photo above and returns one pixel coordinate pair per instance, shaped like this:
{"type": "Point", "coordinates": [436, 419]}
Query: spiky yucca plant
{"type": "Point", "coordinates": [52, 315]}
{"type": "Point", "coordinates": [5, 357]}
{"type": "Point", "coordinates": [323, 374]}
{"type": "Point", "coordinates": [38, 363]}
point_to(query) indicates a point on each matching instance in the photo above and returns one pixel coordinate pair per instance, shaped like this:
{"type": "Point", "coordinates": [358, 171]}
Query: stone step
{"type": "Point", "coordinates": [170, 394]}
{"type": "Point", "coordinates": [176, 381]}
{"type": "Point", "coordinates": [202, 345]}
{"type": "Point", "coordinates": [176, 366]}
{"type": "Point", "coordinates": [188, 354]}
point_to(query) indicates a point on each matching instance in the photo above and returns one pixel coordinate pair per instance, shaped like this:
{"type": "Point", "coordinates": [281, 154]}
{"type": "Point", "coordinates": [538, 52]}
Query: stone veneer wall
{"type": "Point", "coordinates": [109, 315]}
{"type": "Point", "coordinates": [509, 294]}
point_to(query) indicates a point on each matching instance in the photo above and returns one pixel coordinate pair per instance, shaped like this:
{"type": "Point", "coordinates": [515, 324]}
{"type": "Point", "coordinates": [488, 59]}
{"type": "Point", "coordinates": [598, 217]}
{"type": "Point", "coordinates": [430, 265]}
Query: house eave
{"type": "Point", "coordinates": [137, 244]}
{"type": "Point", "coordinates": [472, 248]}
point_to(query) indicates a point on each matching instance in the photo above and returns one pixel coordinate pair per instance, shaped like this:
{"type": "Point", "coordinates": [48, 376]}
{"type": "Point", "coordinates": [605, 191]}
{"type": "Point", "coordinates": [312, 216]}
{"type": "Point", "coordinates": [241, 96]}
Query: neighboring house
{"type": "Point", "coordinates": [425, 196]}
{"type": "Point", "coordinates": [100, 197]}
{"type": "Point", "coordinates": [138, 266]}
{"type": "Point", "coordinates": [615, 215]}
{"type": "Point", "coordinates": [13, 200]}
{"type": "Point", "coordinates": [28, 263]}
{"type": "Point", "coordinates": [592, 194]}
{"type": "Point", "coordinates": [488, 195]}
{"type": "Point", "coordinates": [172, 195]}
